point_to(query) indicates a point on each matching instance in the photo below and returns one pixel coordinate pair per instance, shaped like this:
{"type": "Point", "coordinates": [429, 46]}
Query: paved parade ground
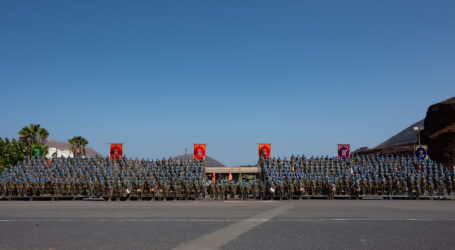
{"type": "Point", "coordinates": [321, 224]}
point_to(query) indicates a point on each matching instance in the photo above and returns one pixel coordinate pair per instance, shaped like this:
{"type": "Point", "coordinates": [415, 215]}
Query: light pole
{"type": "Point", "coordinates": [418, 129]}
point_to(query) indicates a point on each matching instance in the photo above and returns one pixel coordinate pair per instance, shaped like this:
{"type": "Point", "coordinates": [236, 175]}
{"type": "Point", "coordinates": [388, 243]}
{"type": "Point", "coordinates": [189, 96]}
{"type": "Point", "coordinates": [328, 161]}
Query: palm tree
{"type": "Point", "coordinates": [33, 134]}
{"type": "Point", "coordinates": [78, 144]}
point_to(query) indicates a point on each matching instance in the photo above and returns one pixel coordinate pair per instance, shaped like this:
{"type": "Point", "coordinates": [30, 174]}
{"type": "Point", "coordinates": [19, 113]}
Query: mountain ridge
{"type": "Point", "coordinates": [210, 162]}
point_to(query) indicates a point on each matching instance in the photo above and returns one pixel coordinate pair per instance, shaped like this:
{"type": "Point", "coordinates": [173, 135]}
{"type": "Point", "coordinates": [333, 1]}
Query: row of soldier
{"type": "Point", "coordinates": [359, 175]}
{"type": "Point", "coordinates": [225, 189]}
{"type": "Point", "coordinates": [281, 178]}
{"type": "Point", "coordinates": [119, 179]}
{"type": "Point", "coordinates": [103, 177]}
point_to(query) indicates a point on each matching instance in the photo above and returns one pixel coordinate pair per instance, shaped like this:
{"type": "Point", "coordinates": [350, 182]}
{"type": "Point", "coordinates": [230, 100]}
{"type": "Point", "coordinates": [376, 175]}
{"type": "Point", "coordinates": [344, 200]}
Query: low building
{"type": "Point", "coordinates": [63, 149]}
{"type": "Point", "coordinates": [222, 173]}
{"type": "Point", "coordinates": [59, 153]}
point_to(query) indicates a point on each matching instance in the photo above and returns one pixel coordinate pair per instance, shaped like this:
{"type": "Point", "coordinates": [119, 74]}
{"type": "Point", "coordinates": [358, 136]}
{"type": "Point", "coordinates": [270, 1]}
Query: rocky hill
{"type": "Point", "coordinates": [439, 133]}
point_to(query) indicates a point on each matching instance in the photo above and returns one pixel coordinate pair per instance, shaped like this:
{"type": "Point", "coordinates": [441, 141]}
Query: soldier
{"type": "Point", "coordinates": [212, 190]}
{"type": "Point", "coordinates": [201, 189]}
{"type": "Point", "coordinates": [176, 189]}
{"type": "Point", "coordinates": [255, 190]}
{"type": "Point", "coordinates": [186, 189]}
{"type": "Point", "coordinates": [290, 187]}
{"type": "Point", "coordinates": [332, 191]}
{"type": "Point", "coordinates": [223, 194]}
{"type": "Point", "coordinates": [165, 190]}
{"type": "Point", "coordinates": [91, 184]}
{"type": "Point", "coordinates": [281, 188]}
{"type": "Point", "coordinates": [110, 191]}
{"type": "Point", "coordinates": [262, 190]}
{"type": "Point", "coordinates": [233, 189]}
{"type": "Point", "coordinates": [244, 190]}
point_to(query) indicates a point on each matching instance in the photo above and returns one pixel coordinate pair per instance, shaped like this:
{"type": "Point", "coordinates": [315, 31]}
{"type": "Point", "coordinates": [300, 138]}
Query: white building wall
{"type": "Point", "coordinates": [60, 153]}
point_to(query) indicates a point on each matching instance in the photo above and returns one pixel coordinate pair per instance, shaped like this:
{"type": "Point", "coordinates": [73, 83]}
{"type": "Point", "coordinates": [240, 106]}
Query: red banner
{"type": "Point", "coordinates": [265, 150]}
{"type": "Point", "coordinates": [199, 151]}
{"type": "Point", "coordinates": [116, 151]}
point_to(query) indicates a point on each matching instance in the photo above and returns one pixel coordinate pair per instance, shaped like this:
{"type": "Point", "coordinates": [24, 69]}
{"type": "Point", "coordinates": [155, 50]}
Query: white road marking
{"type": "Point", "coordinates": [128, 220]}
{"type": "Point", "coordinates": [225, 220]}
{"type": "Point", "coordinates": [215, 240]}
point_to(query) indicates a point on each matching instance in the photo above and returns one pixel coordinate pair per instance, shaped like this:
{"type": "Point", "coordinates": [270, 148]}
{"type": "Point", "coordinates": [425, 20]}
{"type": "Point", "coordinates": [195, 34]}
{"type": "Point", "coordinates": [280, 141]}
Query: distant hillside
{"type": "Point", "coordinates": [405, 149]}
{"type": "Point", "coordinates": [209, 160]}
{"type": "Point", "coordinates": [401, 143]}
{"type": "Point", "coordinates": [406, 136]}
{"type": "Point", "coordinates": [66, 146]}
{"type": "Point", "coordinates": [438, 135]}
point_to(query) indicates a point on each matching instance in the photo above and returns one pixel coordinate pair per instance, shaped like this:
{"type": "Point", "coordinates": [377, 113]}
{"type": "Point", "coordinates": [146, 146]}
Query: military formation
{"type": "Point", "coordinates": [360, 175]}
{"type": "Point", "coordinates": [103, 177]}
{"type": "Point", "coordinates": [242, 189]}
{"type": "Point", "coordinates": [295, 178]}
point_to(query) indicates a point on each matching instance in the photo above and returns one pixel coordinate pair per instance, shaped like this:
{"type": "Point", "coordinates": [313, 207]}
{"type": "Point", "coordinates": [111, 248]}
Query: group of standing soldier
{"type": "Point", "coordinates": [225, 190]}
{"type": "Point", "coordinates": [360, 175]}
{"type": "Point", "coordinates": [297, 177]}
{"type": "Point", "coordinates": [103, 177]}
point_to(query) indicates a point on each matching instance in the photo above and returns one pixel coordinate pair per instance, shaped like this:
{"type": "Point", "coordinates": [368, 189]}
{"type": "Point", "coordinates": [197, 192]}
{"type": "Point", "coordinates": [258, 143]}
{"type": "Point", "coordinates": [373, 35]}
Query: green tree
{"type": "Point", "coordinates": [78, 144]}
{"type": "Point", "coordinates": [32, 134]}
{"type": "Point", "coordinates": [11, 152]}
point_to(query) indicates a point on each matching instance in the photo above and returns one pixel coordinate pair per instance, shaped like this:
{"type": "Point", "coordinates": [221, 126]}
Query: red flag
{"type": "Point", "coordinates": [199, 151]}
{"type": "Point", "coordinates": [265, 150]}
{"type": "Point", "coordinates": [230, 175]}
{"type": "Point", "coordinates": [116, 150]}
{"type": "Point", "coordinates": [48, 162]}
{"type": "Point", "coordinates": [213, 177]}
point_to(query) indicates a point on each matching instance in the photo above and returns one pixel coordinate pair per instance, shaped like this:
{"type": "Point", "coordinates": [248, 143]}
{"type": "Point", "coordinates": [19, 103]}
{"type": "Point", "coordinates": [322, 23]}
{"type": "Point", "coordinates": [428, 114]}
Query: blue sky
{"type": "Point", "coordinates": [161, 75]}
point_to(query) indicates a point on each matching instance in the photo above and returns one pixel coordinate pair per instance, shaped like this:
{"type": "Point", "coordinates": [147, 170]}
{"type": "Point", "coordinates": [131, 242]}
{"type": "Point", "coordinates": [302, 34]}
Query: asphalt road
{"type": "Point", "coordinates": [308, 224]}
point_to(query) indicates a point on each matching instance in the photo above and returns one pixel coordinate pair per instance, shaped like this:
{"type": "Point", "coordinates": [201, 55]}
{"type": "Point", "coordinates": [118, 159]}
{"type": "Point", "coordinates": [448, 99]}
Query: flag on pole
{"type": "Point", "coordinates": [265, 150]}
{"type": "Point", "coordinates": [344, 151]}
{"type": "Point", "coordinates": [199, 151]}
{"type": "Point", "coordinates": [38, 150]}
{"type": "Point", "coordinates": [116, 151]}
{"type": "Point", "coordinates": [420, 151]}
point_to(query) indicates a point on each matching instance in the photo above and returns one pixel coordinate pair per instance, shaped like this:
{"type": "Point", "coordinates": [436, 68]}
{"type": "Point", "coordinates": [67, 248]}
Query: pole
{"type": "Point", "coordinates": [418, 135]}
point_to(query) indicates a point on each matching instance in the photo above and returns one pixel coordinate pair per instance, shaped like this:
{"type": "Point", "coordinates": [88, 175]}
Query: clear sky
{"type": "Point", "coordinates": [161, 75]}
